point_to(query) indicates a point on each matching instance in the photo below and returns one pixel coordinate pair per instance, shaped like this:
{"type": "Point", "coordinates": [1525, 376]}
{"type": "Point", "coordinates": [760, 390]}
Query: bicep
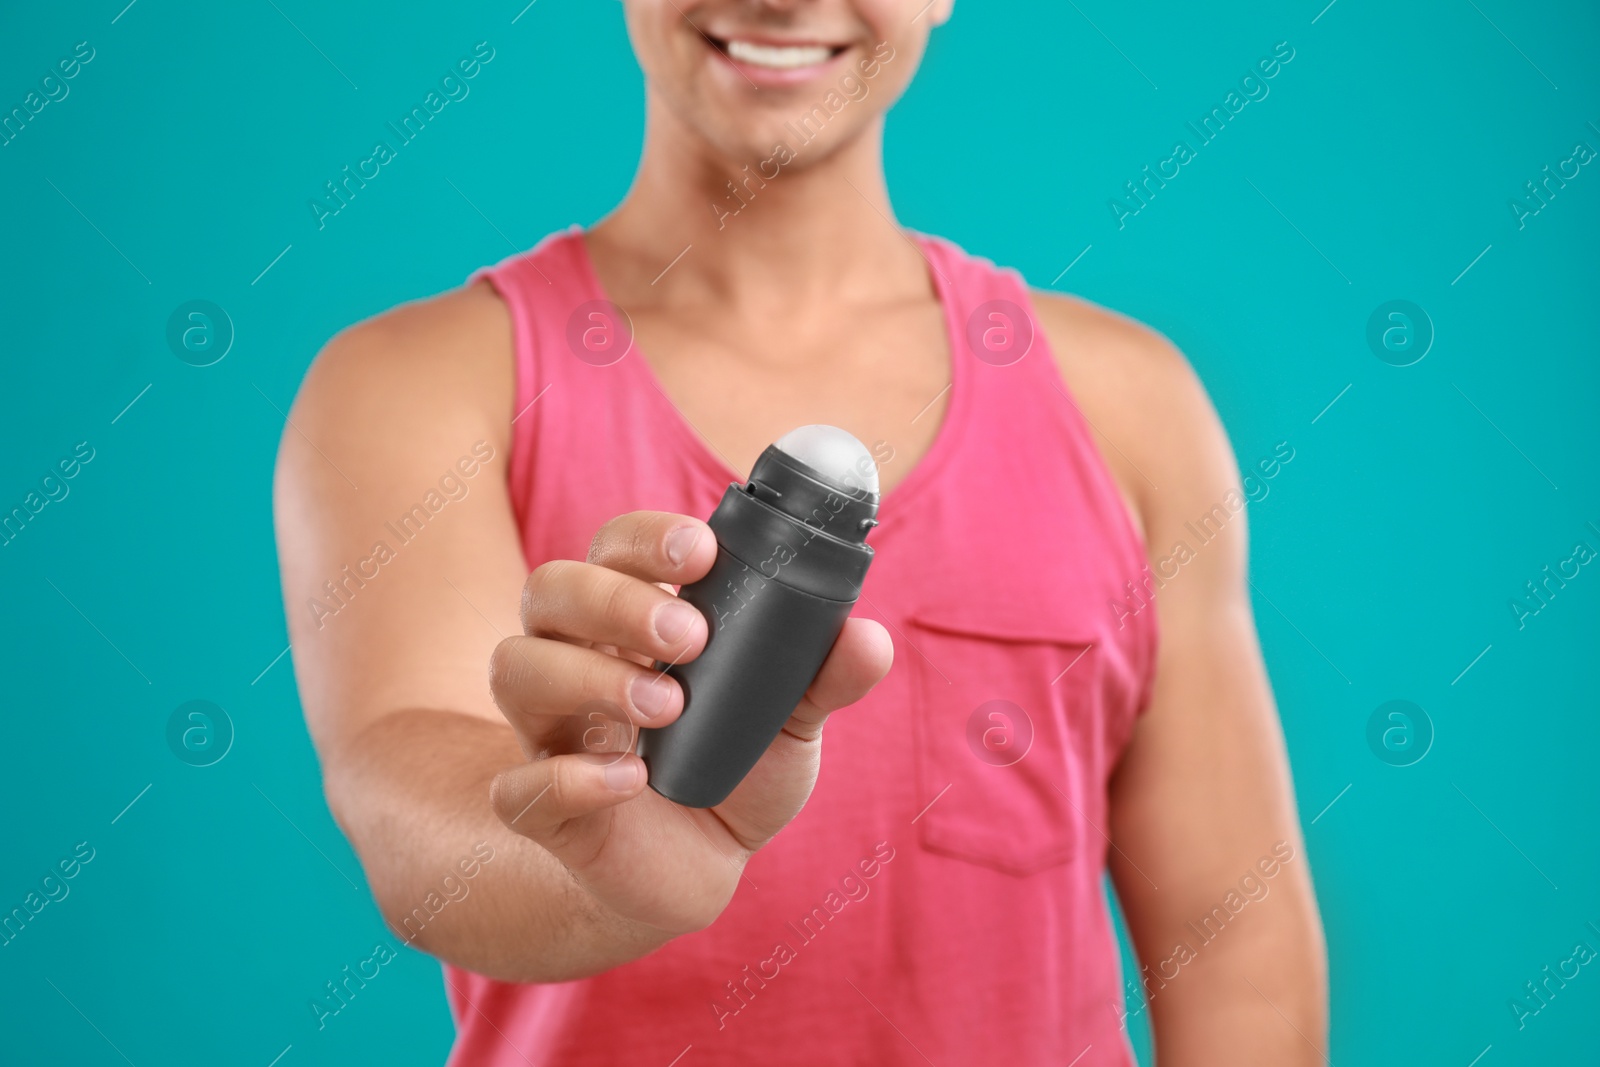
{"type": "Point", "coordinates": [1202, 792]}
{"type": "Point", "coordinates": [400, 557]}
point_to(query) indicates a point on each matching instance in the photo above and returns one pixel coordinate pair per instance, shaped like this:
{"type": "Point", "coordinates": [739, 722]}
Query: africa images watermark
{"type": "Point", "coordinates": [353, 577]}
{"type": "Point", "coordinates": [54, 487]}
{"type": "Point", "coordinates": [853, 888]}
{"type": "Point", "coordinates": [1536, 197]}
{"type": "Point", "coordinates": [452, 890]}
{"type": "Point", "coordinates": [805, 128]}
{"type": "Point", "coordinates": [53, 888]}
{"type": "Point", "coordinates": [54, 87]}
{"type": "Point", "coordinates": [1204, 530]}
{"type": "Point", "coordinates": [1252, 888]}
{"type": "Point", "coordinates": [1536, 598]}
{"type": "Point", "coordinates": [1536, 997]}
{"type": "Point", "coordinates": [1254, 89]}
{"type": "Point", "coordinates": [453, 88]}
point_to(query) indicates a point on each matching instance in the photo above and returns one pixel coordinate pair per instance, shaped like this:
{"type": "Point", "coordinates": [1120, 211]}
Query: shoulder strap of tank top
{"type": "Point", "coordinates": [546, 290]}
{"type": "Point", "coordinates": [990, 313]}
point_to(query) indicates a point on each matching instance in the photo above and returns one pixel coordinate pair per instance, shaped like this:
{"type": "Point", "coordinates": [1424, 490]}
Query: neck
{"type": "Point", "coordinates": [808, 228]}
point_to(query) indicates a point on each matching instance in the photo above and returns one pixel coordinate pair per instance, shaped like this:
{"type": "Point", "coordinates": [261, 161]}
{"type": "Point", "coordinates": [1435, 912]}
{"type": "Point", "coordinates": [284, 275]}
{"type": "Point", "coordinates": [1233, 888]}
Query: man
{"type": "Point", "coordinates": [939, 896]}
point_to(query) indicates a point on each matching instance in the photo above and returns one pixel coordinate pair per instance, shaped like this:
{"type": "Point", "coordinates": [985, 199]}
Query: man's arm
{"type": "Point", "coordinates": [1208, 859]}
{"type": "Point", "coordinates": [446, 718]}
{"type": "Point", "coordinates": [392, 660]}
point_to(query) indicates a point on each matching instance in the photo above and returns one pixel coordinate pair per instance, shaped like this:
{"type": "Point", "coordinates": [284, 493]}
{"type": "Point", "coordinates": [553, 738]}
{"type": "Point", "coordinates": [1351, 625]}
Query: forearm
{"type": "Point", "coordinates": [411, 791]}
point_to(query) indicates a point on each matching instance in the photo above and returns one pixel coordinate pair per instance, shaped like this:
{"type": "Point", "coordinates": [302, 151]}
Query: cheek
{"type": "Point", "coordinates": [888, 17]}
{"type": "Point", "coordinates": [904, 24]}
{"type": "Point", "coordinates": [654, 30]}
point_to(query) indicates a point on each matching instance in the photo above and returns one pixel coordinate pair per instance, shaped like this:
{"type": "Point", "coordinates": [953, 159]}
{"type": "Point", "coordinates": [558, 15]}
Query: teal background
{"type": "Point", "coordinates": [1385, 556]}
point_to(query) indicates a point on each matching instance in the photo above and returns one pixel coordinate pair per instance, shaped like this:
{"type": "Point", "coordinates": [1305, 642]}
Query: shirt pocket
{"type": "Point", "coordinates": [1006, 698]}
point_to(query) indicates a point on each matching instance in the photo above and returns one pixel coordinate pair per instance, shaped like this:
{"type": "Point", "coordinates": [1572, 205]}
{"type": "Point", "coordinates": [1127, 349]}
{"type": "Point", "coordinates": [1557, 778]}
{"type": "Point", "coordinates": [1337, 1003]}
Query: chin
{"type": "Point", "coordinates": [811, 117]}
{"type": "Point", "coordinates": [753, 82]}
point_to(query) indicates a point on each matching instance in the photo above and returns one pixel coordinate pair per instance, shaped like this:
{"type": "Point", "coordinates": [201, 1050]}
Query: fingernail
{"type": "Point", "coordinates": [650, 695]}
{"type": "Point", "coordinates": [674, 620]}
{"type": "Point", "coordinates": [622, 775]}
{"type": "Point", "coordinates": [681, 542]}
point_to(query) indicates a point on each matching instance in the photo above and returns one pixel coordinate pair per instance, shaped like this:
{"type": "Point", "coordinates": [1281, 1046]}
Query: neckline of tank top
{"type": "Point", "coordinates": [946, 438]}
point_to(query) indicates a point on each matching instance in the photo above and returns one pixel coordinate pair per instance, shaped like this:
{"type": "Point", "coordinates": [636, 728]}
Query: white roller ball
{"type": "Point", "coordinates": [834, 452]}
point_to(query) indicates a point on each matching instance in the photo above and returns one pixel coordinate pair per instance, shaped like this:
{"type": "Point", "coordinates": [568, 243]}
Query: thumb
{"type": "Point", "coordinates": [860, 659]}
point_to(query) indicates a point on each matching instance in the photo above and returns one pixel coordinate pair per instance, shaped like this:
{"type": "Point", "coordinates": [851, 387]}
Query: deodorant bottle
{"type": "Point", "coordinates": [791, 557]}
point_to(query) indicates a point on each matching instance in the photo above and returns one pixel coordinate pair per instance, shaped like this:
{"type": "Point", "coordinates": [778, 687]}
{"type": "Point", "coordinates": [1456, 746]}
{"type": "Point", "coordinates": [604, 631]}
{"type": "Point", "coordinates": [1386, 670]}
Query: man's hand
{"type": "Point", "coordinates": [578, 686]}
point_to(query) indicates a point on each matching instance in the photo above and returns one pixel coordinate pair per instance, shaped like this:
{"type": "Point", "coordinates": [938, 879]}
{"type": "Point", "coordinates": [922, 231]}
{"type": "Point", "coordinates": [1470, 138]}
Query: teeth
{"type": "Point", "coordinates": [784, 58]}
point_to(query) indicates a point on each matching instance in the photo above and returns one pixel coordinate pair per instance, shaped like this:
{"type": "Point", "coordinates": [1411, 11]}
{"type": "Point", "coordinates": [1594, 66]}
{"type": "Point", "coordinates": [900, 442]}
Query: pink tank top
{"type": "Point", "coordinates": [940, 898]}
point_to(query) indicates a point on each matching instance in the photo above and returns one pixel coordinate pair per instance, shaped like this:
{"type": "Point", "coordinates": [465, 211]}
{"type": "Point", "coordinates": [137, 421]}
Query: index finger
{"type": "Point", "coordinates": [655, 546]}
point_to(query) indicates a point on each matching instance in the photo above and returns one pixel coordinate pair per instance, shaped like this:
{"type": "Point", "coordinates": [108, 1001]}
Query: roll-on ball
{"type": "Point", "coordinates": [832, 452]}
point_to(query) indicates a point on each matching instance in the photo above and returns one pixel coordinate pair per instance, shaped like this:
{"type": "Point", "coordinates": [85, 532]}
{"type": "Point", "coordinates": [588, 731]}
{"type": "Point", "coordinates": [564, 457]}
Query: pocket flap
{"type": "Point", "coordinates": [1002, 620]}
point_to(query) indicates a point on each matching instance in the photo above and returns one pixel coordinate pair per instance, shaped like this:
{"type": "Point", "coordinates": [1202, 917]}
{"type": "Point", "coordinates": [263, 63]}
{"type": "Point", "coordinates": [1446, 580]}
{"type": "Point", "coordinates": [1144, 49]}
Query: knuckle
{"type": "Point", "coordinates": [534, 590]}
{"type": "Point", "coordinates": [595, 678]}
{"type": "Point", "coordinates": [538, 579]}
{"type": "Point", "coordinates": [616, 605]}
{"type": "Point", "coordinates": [511, 796]}
{"type": "Point", "coordinates": [646, 542]}
{"type": "Point", "coordinates": [553, 794]}
{"type": "Point", "coordinates": [539, 592]}
{"type": "Point", "coordinates": [501, 798]}
{"type": "Point", "coordinates": [619, 686]}
{"type": "Point", "coordinates": [520, 688]}
{"type": "Point", "coordinates": [560, 794]}
{"type": "Point", "coordinates": [618, 533]}
{"type": "Point", "coordinates": [598, 543]}
{"type": "Point", "coordinates": [503, 672]}
{"type": "Point", "coordinates": [530, 594]}
{"type": "Point", "coordinates": [627, 538]}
